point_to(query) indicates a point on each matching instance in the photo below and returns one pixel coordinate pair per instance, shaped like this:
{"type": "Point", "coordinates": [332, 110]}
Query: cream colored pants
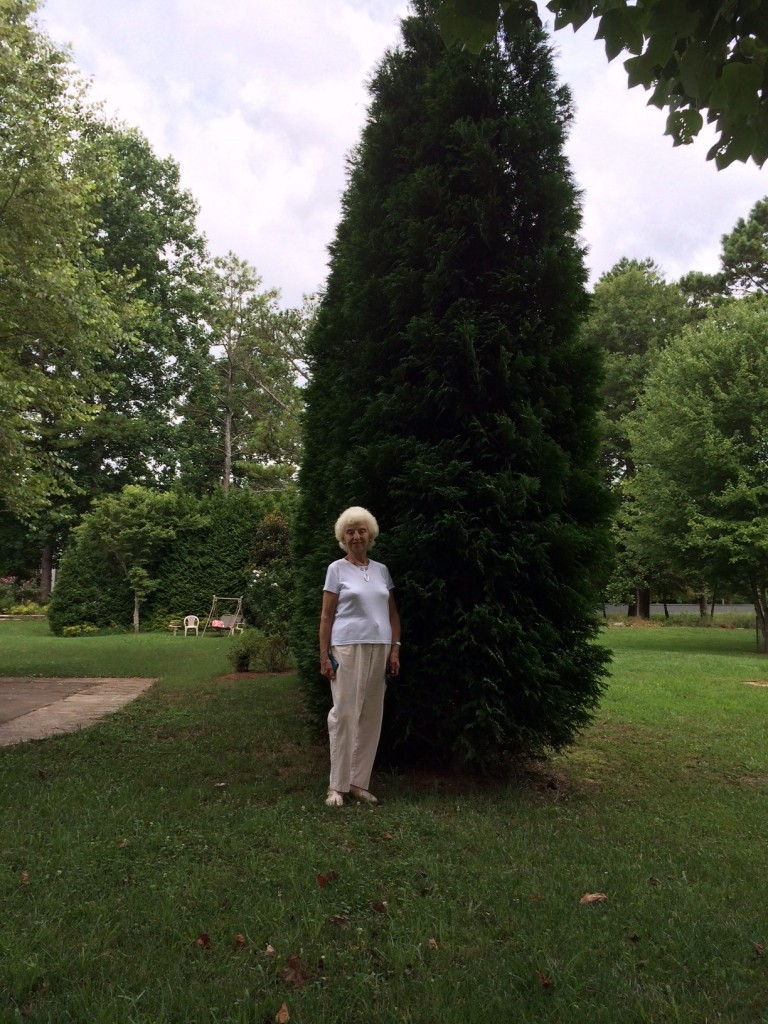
{"type": "Point", "coordinates": [354, 721]}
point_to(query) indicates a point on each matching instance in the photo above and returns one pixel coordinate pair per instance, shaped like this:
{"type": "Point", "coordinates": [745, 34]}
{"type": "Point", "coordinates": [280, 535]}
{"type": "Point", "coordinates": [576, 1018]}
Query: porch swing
{"type": "Point", "coordinates": [230, 623]}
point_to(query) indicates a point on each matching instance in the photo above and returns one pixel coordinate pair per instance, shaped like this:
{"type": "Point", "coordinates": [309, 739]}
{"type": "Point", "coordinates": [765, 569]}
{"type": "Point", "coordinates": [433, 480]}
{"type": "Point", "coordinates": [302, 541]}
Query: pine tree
{"type": "Point", "coordinates": [452, 395]}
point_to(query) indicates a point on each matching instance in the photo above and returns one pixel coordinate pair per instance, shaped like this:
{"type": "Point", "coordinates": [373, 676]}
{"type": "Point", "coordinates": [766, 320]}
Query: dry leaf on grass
{"type": "Point", "coordinates": [593, 897]}
{"type": "Point", "coordinates": [543, 979]}
{"type": "Point", "coordinates": [24, 877]}
{"type": "Point", "coordinates": [282, 1016]}
{"type": "Point", "coordinates": [239, 941]}
{"type": "Point", "coordinates": [294, 974]}
{"type": "Point", "coordinates": [759, 949]}
{"type": "Point", "coordinates": [269, 951]}
{"type": "Point", "coordinates": [381, 906]}
{"type": "Point", "coordinates": [323, 880]}
{"type": "Point", "coordinates": [387, 835]}
{"type": "Point", "coordinates": [203, 940]}
{"type": "Point", "coordinates": [432, 944]}
{"type": "Point", "coordinates": [340, 921]}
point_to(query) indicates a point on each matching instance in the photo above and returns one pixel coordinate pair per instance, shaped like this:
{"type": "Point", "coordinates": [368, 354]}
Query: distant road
{"type": "Point", "coordinates": [681, 609]}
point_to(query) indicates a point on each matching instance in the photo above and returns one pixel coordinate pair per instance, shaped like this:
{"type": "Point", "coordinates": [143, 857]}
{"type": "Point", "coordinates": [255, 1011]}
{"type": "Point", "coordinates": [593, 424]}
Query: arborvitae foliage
{"type": "Point", "coordinates": [451, 394]}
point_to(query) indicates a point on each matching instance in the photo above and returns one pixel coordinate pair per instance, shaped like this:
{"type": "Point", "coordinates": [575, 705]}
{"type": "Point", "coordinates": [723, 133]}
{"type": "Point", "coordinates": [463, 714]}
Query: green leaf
{"type": "Point", "coordinates": [639, 71]}
{"type": "Point", "coordinates": [571, 12]}
{"type": "Point", "coordinates": [697, 71]}
{"type": "Point", "coordinates": [520, 13]}
{"type": "Point", "coordinates": [737, 89]}
{"type": "Point", "coordinates": [621, 28]}
{"type": "Point", "coordinates": [684, 126]}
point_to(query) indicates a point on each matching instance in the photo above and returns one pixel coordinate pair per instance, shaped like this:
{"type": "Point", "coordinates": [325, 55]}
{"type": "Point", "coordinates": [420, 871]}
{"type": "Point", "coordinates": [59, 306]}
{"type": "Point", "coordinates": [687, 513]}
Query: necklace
{"type": "Point", "coordinates": [363, 569]}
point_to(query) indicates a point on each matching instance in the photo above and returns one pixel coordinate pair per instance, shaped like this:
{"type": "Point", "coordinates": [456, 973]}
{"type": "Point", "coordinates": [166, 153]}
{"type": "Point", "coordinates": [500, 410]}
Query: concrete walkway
{"type": "Point", "coordinates": [33, 709]}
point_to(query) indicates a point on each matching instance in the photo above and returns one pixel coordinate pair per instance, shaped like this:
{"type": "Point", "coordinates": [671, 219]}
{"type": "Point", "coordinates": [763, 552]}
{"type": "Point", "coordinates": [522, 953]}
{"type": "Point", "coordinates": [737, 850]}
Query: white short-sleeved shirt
{"type": "Point", "coordinates": [362, 612]}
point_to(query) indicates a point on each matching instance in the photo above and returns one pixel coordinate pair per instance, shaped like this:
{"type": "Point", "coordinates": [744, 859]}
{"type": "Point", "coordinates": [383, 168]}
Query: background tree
{"type": "Point", "coordinates": [707, 56]}
{"type": "Point", "coordinates": [147, 233]}
{"type": "Point", "coordinates": [745, 253]}
{"type": "Point", "coordinates": [699, 438]}
{"type": "Point", "coordinates": [452, 393]}
{"type": "Point", "coordinates": [259, 351]}
{"type": "Point", "coordinates": [134, 527]}
{"type": "Point", "coordinates": [633, 315]}
{"type": "Point", "coordinates": [142, 234]}
{"type": "Point", "coordinates": [60, 315]}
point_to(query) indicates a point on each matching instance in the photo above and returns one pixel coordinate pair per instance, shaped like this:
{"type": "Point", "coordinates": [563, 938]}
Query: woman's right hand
{"type": "Point", "coordinates": [326, 668]}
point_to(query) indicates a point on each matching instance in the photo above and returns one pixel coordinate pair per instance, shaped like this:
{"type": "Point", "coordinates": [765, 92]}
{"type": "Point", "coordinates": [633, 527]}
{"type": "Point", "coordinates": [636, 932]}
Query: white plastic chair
{"type": "Point", "coordinates": [191, 623]}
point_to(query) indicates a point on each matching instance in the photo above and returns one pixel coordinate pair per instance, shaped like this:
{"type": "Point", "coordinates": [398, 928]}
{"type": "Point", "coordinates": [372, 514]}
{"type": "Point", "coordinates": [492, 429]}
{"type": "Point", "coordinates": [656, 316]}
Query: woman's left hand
{"type": "Point", "coordinates": [393, 662]}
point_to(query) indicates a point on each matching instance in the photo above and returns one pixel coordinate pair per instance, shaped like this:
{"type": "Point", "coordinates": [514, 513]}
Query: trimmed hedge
{"type": "Point", "coordinates": [217, 557]}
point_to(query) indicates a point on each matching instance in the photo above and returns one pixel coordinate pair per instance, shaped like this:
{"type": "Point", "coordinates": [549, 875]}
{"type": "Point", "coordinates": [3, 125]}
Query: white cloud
{"type": "Point", "coordinates": [260, 101]}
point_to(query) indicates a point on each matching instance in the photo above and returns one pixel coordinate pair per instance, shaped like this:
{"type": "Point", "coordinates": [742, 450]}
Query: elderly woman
{"type": "Point", "coordinates": [359, 643]}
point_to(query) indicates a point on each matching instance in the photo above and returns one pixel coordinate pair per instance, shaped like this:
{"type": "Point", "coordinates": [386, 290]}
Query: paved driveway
{"type": "Point", "coordinates": [33, 709]}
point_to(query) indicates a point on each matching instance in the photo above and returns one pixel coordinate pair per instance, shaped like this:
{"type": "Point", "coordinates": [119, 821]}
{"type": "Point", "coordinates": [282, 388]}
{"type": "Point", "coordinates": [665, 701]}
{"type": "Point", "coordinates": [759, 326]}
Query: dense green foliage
{"type": "Point", "coordinates": [452, 394]}
{"type": "Point", "coordinates": [700, 495]}
{"type": "Point", "coordinates": [213, 547]}
{"type": "Point", "coordinates": [708, 57]}
{"type": "Point", "coordinates": [60, 313]}
{"type": "Point", "coordinates": [633, 315]}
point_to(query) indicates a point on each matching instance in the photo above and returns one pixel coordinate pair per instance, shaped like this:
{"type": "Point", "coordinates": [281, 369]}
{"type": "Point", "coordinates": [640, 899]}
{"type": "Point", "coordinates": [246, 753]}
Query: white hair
{"type": "Point", "coordinates": [352, 516]}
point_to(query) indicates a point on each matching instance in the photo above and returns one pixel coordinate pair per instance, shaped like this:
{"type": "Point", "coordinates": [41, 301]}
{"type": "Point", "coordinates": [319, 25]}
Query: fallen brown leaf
{"type": "Point", "coordinates": [387, 835]}
{"type": "Point", "coordinates": [294, 974]}
{"type": "Point", "coordinates": [24, 877]}
{"type": "Point", "coordinates": [759, 949]}
{"type": "Point", "coordinates": [269, 951]}
{"type": "Point", "coordinates": [42, 773]}
{"type": "Point", "coordinates": [203, 940]}
{"type": "Point", "coordinates": [381, 907]}
{"type": "Point", "coordinates": [239, 941]}
{"type": "Point", "coordinates": [282, 1016]}
{"type": "Point", "coordinates": [593, 897]}
{"type": "Point", "coordinates": [543, 979]}
{"type": "Point", "coordinates": [122, 843]}
{"type": "Point", "coordinates": [340, 921]}
{"type": "Point", "coordinates": [323, 880]}
{"type": "Point", "coordinates": [432, 944]}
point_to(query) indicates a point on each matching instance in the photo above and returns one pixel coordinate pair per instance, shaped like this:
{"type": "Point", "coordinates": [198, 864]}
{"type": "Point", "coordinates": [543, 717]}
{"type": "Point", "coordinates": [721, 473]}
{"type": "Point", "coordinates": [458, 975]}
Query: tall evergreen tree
{"type": "Point", "coordinates": [452, 394]}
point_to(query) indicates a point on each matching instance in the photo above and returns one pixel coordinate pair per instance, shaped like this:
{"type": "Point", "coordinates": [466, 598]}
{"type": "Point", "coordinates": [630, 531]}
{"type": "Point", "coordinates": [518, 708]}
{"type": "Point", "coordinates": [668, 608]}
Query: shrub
{"type": "Point", "coordinates": [27, 608]}
{"type": "Point", "coordinates": [82, 630]}
{"type": "Point", "coordinates": [260, 651]}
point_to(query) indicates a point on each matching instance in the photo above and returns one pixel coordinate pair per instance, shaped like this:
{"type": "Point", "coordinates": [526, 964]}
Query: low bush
{"type": "Point", "coordinates": [27, 608]}
{"type": "Point", "coordinates": [83, 629]}
{"type": "Point", "coordinates": [259, 651]}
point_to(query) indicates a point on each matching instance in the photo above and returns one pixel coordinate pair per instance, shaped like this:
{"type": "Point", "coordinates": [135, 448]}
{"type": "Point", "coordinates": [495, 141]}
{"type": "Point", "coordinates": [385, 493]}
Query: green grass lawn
{"type": "Point", "coordinates": [176, 863]}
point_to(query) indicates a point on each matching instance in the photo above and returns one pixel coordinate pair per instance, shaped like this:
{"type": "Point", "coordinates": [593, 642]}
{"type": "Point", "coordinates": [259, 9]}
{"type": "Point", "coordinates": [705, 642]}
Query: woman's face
{"type": "Point", "coordinates": [357, 538]}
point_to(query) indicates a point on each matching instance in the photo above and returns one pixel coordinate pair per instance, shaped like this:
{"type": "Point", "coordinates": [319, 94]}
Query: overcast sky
{"type": "Point", "coordinates": [259, 101]}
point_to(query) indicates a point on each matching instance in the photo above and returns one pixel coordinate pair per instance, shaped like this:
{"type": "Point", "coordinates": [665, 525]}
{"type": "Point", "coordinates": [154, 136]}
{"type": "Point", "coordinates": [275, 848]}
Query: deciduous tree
{"type": "Point", "coordinates": [708, 57]}
{"type": "Point", "coordinates": [699, 438]}
{"type": "Point", "coordinates": [60, 315]}
{"type": "Point", "coordinates": [259, 356]}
